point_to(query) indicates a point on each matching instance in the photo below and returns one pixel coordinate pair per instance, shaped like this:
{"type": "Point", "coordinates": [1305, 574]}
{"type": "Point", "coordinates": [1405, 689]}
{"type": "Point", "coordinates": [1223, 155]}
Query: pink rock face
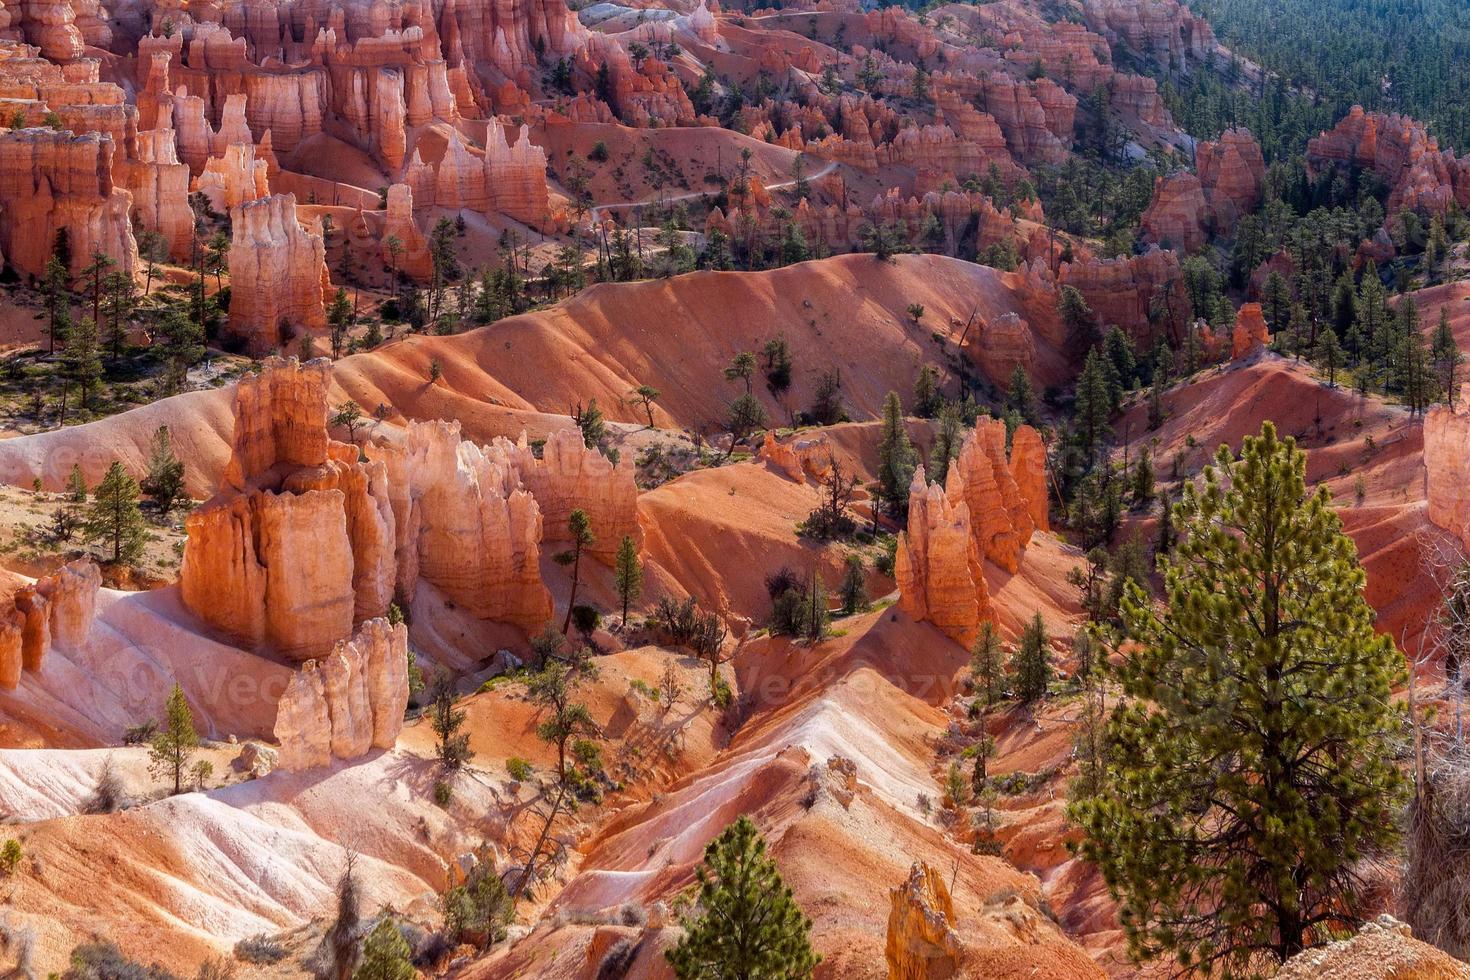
{"type": "Point", "coordinates": [236, 178]}
{"type": "Point", "coordinates": [798, 458]}
{"type": "Point", "coordinates": [987, 511]}
{"type": "Point", "coordinates": [280, 419]}
{"type": "Point", "coordinates": [278, 274]}
{"type": "Point", "coordinates": [1447, 466]}
{"type": "Point", "coordinates": [51, 26]}
{"type": "Point", "coordinates": [1250, 332]}
{"type": "Point", "coordinates": [466, 525]}
{"type": "Point", "coordinates": [1164, 31]}
{"type": "Point", "coordinates": [1187, 208]}
{"type": "Point", "coordinates": [159, 185]}
{"type": "Point", "coordinates": [1176, 217]}
{"type": "Point", "coordinates": [570, 476]}
{"type": "Point", "coordinates": [1141, 293]}
{"type": "Point", "coordinates": [922, 942]}
{"type": "Point", "coordinates": [509, 179]}
{"type": "Point", "coordinates": [51, 180]}
{"type": "Point", "coordinates": [56, 609]}
{"type": "Point", "coordinates": [412, 258]}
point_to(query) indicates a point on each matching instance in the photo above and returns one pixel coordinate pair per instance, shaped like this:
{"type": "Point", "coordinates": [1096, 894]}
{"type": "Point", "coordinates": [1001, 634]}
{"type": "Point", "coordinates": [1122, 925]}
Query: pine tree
{"type": "Point", "coordinates": [748, 926]}
{"type": "Point", "coordinates": [1030, 666]}
{"type": "Point", "coordinates": [1251, 762]}
{"type": "Point", "coordinates": [896, 458]}
{"type": "Point", "coordinates": [927, 398]}
{"type": "Point", "coordinates": [854, 588]}
{"type": "Point", "coordinates": [986, 667]}
{"type": "Point", "coordinates": [173, 747]}
{"type": "Point", "coordinates": [579, 527]}
{"type": "Point", "coordinates": [1094, 404]}
{"type": "Point", "coordinates": [81, 361]}
{"type": "Point", "coordinates": [1445, 351]}
{"type": "Point", "coordinates": [165, 480]}
{"type": "Point", "coordinates": [553, 690]}
{"type": "Point", "coordinates": [629, 574]}
{"type": "Point", "coordinates": [450, 744]}
{"type": "Point", "coordinates": [1020, 396]}
{"type": "Point", "coordinates": [385, 954]}
{"type": "Point", "coordinates": [76, 485]}
{"type": "Point", "coordinates": [1143, 480]}
{"type": "Point", "coordinates": [949, 435]}
{"type": "Point", "coordinates": [113, 516]}
{"type": "Point", "coordinates": [1329, 355]}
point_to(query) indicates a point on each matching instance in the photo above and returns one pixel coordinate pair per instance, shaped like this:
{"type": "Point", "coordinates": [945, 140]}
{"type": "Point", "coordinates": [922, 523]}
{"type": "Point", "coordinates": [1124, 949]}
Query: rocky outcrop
{"type": "Point", "coordinates": [570, 476]}
{"type": "Point", "coordinates": [1250, 332]}
{"type": "Point", "coordinates": [922, 942]}
{"type": "Point", "coordinates": [348, 702]}
{"type": "Point", "coordinates": [1384, 949]}
{"type": "Point", "coordinates": [465, 524]}
{"type": "Point", "coordinates": [1188, 209]}
{"type": "Point", "coordinates": [159, 185]}
{"type": "Point", "coordinates": [996, 502]}
{"type": "Point", "coordinates": [52, 180]}
{"type": "Point", "coordinates": [1163, 31]}
{"type": "Point", "coordinates": [1447, 470]}
{"type": "Point", "coordinates": [236, 178]}
{"type": "Point", "coordinates": [937, 565]}
{"type": "Point", "coordinates": [299, 546]}
{"type": "Point", "coordinates": [1143, 294]}
{"type": "Point", "coordinates": [981, 477]}
{"type": "Point", "coordinates": [412, 256]}
{"type": "Point", "coordinates": [55, 610]}
{"type": "Point", "coordinates": [1400, 150]}
{"type": "Point", "coordinates": [278, 274]}
{"type": "Point", "coordinates": [799, 459]}
{"type": "Point", "coordinates": [509, 179]}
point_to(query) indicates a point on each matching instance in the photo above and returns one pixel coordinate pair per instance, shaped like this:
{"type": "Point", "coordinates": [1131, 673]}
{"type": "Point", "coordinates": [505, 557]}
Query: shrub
{"type": "Point", "coordinates": [443, 793]}
{"type": "Point", "coordinates": [260, 949]}
{"type": "Point", "coordinates": [519, 769]}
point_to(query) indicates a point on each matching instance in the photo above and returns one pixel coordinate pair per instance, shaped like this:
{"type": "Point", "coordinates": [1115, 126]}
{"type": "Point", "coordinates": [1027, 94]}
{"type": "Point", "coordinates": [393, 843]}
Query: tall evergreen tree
{"type": "Point", "coordinates": [986, 667]}
{"type": "Point", "coordinates": [747, 926]}
{"type": "Point", "coordinates": [896, 458]}
{"type": "Point", "coordinates": [385, 954]}
{"type": "Point", "coordinates": [113, 517]}
{"type": "Point", "coordinates": [1030, 666]}
{"type": "Point", "coordinates": [175, 744]}
{"type": "Point", "coordinates": [1252, 754]}
{"type": "Point", "coordinates": [579, 527]}
{"type": "Point", "coordinates": [165, 480]}
{"type": "Point", "coordinates": [1445, 352]}
{"type": "Point", "coordinates": [628, 572]}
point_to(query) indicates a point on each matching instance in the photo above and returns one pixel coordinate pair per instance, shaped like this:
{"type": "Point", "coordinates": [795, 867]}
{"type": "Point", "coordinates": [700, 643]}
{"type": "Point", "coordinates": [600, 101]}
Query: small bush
{"type": "Point", "coordinates": [519, 769]}
{"type": "Point", "coordinates": [260, 949]}
{"type": "Point", "coordinates": [443, 793]}
{"type": "Point", "coordinates": [102, 960]}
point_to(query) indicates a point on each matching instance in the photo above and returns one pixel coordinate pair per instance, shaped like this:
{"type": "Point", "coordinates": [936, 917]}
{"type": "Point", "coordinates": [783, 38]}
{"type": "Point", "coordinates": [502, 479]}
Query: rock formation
{"type": "Point", "coordinates": [278, 274]}
{"type": "Point", "coordinates": [1400, 150]}
{"type": "Point", "coordinates": [570, 476]}
{"type": "Point", "coordinates": [991, 501]}
{"type": "Point", "coordinates": [311, 536]}
{"type": "Point", "coordinates": [1384, 949]}
{"type": "Point", "coordinates": [1250, 332]}
{"type": "Point", "coordinates": [159, 185]}
{"type": "Point", "coordinates": [300, 544]}
{"type": "Point", "coordinates": [412, 258]}
{"type": "Point", "coordinates": [52, 180]}
{"type": "Point", "coordinates": [940, 578]}
{"type": "Point", "coordinates": [465, 524]}
{"type": "Point", "coordinates": [55, 610]}
{"type": "Point", "coordinates": [798, 458]}
{"type": "Point", "coordinates": [1143, 294]}
{"type": "Point", "coordinates": [1187, 209]}
{"type": "Point", "coordinates": [922, 942]}
{"type": "Point", "coordinates": [509, 179]}
{"type": "Point", "coordinates": [1447, 470]}
{"type": "Point", "coordinates": [348, 702]}
{"type": "Point", "coordinates": [236, 178]}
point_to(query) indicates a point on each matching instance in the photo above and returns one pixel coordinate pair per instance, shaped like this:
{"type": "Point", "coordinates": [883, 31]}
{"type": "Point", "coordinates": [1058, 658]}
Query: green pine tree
{"type": "Point", "coordinates": [113, 517]}
{"type": "Point", "coordinates": [174, 746]}
{"type": "Point", "coordinates": [1030, 666]}
{"type": "Point", "coordinates": [629, 574]}
{"type": "Point", "coordinates": [986, 667]}
{"type": "Point", "coordinates": [1252, 756]}
{"type": "Point", "coordinates": [385, 954]}
{"type": "Point", "coordinates": [896, 458]}
{"type": "Point", "coordinates": [748, 926]}
{"type": "Point", "coordinates": [165, 480]}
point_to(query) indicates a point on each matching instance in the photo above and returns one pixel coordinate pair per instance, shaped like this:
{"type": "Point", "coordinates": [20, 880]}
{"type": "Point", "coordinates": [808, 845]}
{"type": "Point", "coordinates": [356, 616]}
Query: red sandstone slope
{"type": "Point", "coordinates": [1357, 438]}
{"type": "Point", "coordinates": [846, 313]}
